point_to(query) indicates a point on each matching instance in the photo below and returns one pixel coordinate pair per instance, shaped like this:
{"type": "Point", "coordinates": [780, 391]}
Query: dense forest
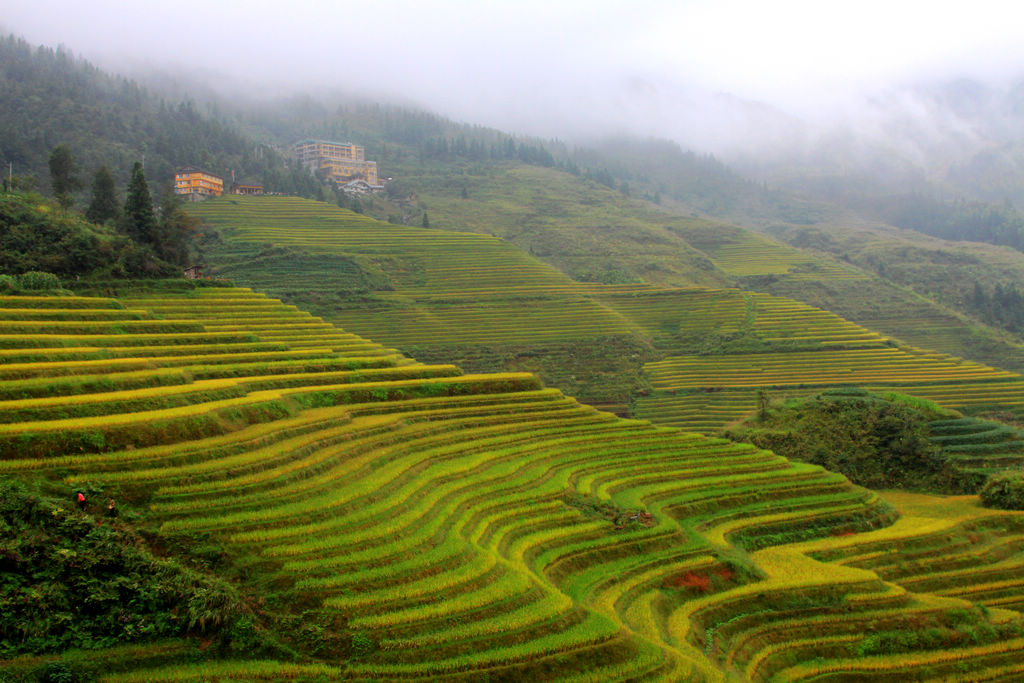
{"type": "Point", "coordinates": [960, 219]}
{"type": "Point", "coordinates": [1002, 306]}
{"type": "Point", "coordinates": [51, 97]}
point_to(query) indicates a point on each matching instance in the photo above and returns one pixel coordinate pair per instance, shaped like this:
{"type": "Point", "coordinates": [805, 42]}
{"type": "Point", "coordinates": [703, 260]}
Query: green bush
{"type": "Point", "coordinates": [875, 442]}
{"type": "Point", "coordinates": [58, 672]}
{"type": "Point", "coordinates": [38, 281]}
{"type": "Point", "coordinates": [7, 284]}
{"type": "Point", "coordinates": [1004, 491]}
{"type": "Point", "coordinates": [362, 645]}
{"type": "Point", "coordinates": [70, 580]}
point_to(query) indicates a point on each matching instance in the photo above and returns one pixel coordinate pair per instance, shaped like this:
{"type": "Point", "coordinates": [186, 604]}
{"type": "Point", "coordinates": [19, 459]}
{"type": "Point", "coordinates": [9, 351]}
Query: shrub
{"type": "Point", "coordinates": [875, 442]}
{"type": "Point", "coordinates": [36, 281]}
{"type": "Point", "coordinates": [7, 284]}
{"type": "Point", "coordinates": [362, 645]}
{"type": "Point", "coordinates": [58, 672]}
{"type": "Point", "coordinates": [1004, 491]}
{"type": "Point", "coordinates": [97, 584]}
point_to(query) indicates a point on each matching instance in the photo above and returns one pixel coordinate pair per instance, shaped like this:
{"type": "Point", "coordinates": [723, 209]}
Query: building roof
{"type": "Point", "coordinates": [359, 182]}
{"type": "Point", "coordinates": [196, 169]}
{"type": "Point", "coordinates": [324, 142]}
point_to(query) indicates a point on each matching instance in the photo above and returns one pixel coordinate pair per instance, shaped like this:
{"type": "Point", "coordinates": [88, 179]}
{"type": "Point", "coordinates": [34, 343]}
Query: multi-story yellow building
{"type": "Point", "coordinates": [337, 161]}
{"type": "Point", "coordinates": [198, 183]}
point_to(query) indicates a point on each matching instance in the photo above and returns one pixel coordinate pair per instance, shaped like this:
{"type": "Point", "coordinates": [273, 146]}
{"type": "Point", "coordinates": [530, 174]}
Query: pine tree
{"type": "Point", "coordinates": [139, 221]}
{"type": "Point", "coordinates": [62, 175]}
{"type": "Point", "coordinates": [103, 206]}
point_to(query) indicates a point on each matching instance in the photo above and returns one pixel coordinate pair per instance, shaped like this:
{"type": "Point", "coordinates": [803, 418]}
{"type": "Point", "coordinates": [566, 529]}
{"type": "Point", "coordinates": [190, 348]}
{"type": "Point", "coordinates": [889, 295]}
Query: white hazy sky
{"type": "Point", "coordinates": [543, 63]}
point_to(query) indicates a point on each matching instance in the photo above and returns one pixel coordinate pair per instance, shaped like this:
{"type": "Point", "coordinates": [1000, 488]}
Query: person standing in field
{"type": "Point", "coordinates": [80, 497]}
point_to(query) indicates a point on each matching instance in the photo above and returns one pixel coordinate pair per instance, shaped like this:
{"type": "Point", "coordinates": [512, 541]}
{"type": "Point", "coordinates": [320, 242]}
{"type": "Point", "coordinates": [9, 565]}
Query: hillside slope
{"type": "Point", "coordinates": [910, 286]}
{"type": "Point", "coordinates": [471, 298]}
{"type": "Point", "coordinates": [927, 290]}
{"type": "Point", "coordinates": [458, 526]}
{"type": "Point", "coordinates": [636, 348]}
{"type": "Point", "coordinates": [481, 302]}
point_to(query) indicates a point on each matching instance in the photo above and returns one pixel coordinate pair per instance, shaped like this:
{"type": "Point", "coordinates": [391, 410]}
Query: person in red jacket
{"type": "Point", "coordinates": [80, 497]}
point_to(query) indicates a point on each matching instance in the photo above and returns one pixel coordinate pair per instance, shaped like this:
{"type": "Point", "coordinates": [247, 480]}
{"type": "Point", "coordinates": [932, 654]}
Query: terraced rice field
{"type": "Point", "coordinates": [749, 254]}
{"type": "Point", "coordinates": [447, 287]}
{"type": "Point", "coordinates": [470, 526]}
{"type": "Point", "coordinates": [476, 297]}
{"type": "Point", "coordinates": [457, 288]}
{"type": "Point", "coordinates": [728, 386]}
{"type": "Point", "coordinates": [978, 448]}
{"type": "Point", "coordinates": [428, 262]}
{"type": "Point", "coordinates": [501, 321]}
{"type": "Point", "coordinates": [662, 312]}
{"type": "Point", "coordinates": [707, 411]}
{"type": "Point", "coordinates": [921, 328]}
{"type": "Point", "coordinates": [816, 350]}
{"type": "Point", "coordinates": [822, 368]}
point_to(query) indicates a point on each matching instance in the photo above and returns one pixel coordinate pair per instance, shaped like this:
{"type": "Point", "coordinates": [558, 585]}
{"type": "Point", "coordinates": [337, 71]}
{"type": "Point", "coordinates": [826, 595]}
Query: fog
{"type": "Point", "coordinates": [716, 75]}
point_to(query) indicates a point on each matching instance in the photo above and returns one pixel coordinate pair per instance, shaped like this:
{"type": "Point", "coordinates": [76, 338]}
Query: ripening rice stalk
{"type": "Point", "coordinates": [863, 666]}
{"type": "Point", "coordinates": [245, 670]}
{"type": "Point", "coordinates": [509, 584]}
{"type": "Point", "coordinates": [549, 606]}
{"type": "Point", "coordinates": [804, 645]}
{"type": "Point", "coordinates": [593, 630]}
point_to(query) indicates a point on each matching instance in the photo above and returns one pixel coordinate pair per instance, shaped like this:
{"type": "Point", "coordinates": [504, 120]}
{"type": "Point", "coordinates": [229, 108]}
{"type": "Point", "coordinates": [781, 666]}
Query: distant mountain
{"type": "Point", "coordinates": [954, 138]}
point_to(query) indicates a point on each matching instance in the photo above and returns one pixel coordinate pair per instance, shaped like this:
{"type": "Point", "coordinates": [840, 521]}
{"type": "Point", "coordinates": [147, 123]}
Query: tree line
{"type": "Point", "coordinates": [960, 219]}
{"type": "Point", "coordinates": [49, 97]}
{"type": "Point", "coordinates": [114, 237]}
{"type": "Point", "coordinates": [1002, 306]}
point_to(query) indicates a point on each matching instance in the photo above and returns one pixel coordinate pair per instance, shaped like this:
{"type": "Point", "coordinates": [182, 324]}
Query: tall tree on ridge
{"type": "Point", "coordinates": [103, 206]}
{"type": "Point", "coordinates": [139, 220]}
{"type": "Point", "coordinates": [62, 175]}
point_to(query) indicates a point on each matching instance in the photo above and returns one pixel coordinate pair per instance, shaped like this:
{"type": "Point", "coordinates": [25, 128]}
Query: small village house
{"type": "Point", "coordinates": [246, 188]}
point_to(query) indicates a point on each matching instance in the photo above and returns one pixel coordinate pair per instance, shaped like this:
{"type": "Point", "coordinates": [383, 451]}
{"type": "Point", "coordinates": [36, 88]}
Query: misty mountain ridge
{"type": "Point", "coordinates": [716, 154]}
{"type": "Point", "coordinates": [955, 138]}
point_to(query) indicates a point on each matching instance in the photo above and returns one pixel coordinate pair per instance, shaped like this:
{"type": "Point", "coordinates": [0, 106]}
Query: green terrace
{"type": "Point", "coordinates": [707, 392]}
{"type": "Point", "coordinates": [749, 254]}
{"type": "Point", "coordinates": [691, 357]}
{"type": "Point", "coordinates": [461, 526]}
